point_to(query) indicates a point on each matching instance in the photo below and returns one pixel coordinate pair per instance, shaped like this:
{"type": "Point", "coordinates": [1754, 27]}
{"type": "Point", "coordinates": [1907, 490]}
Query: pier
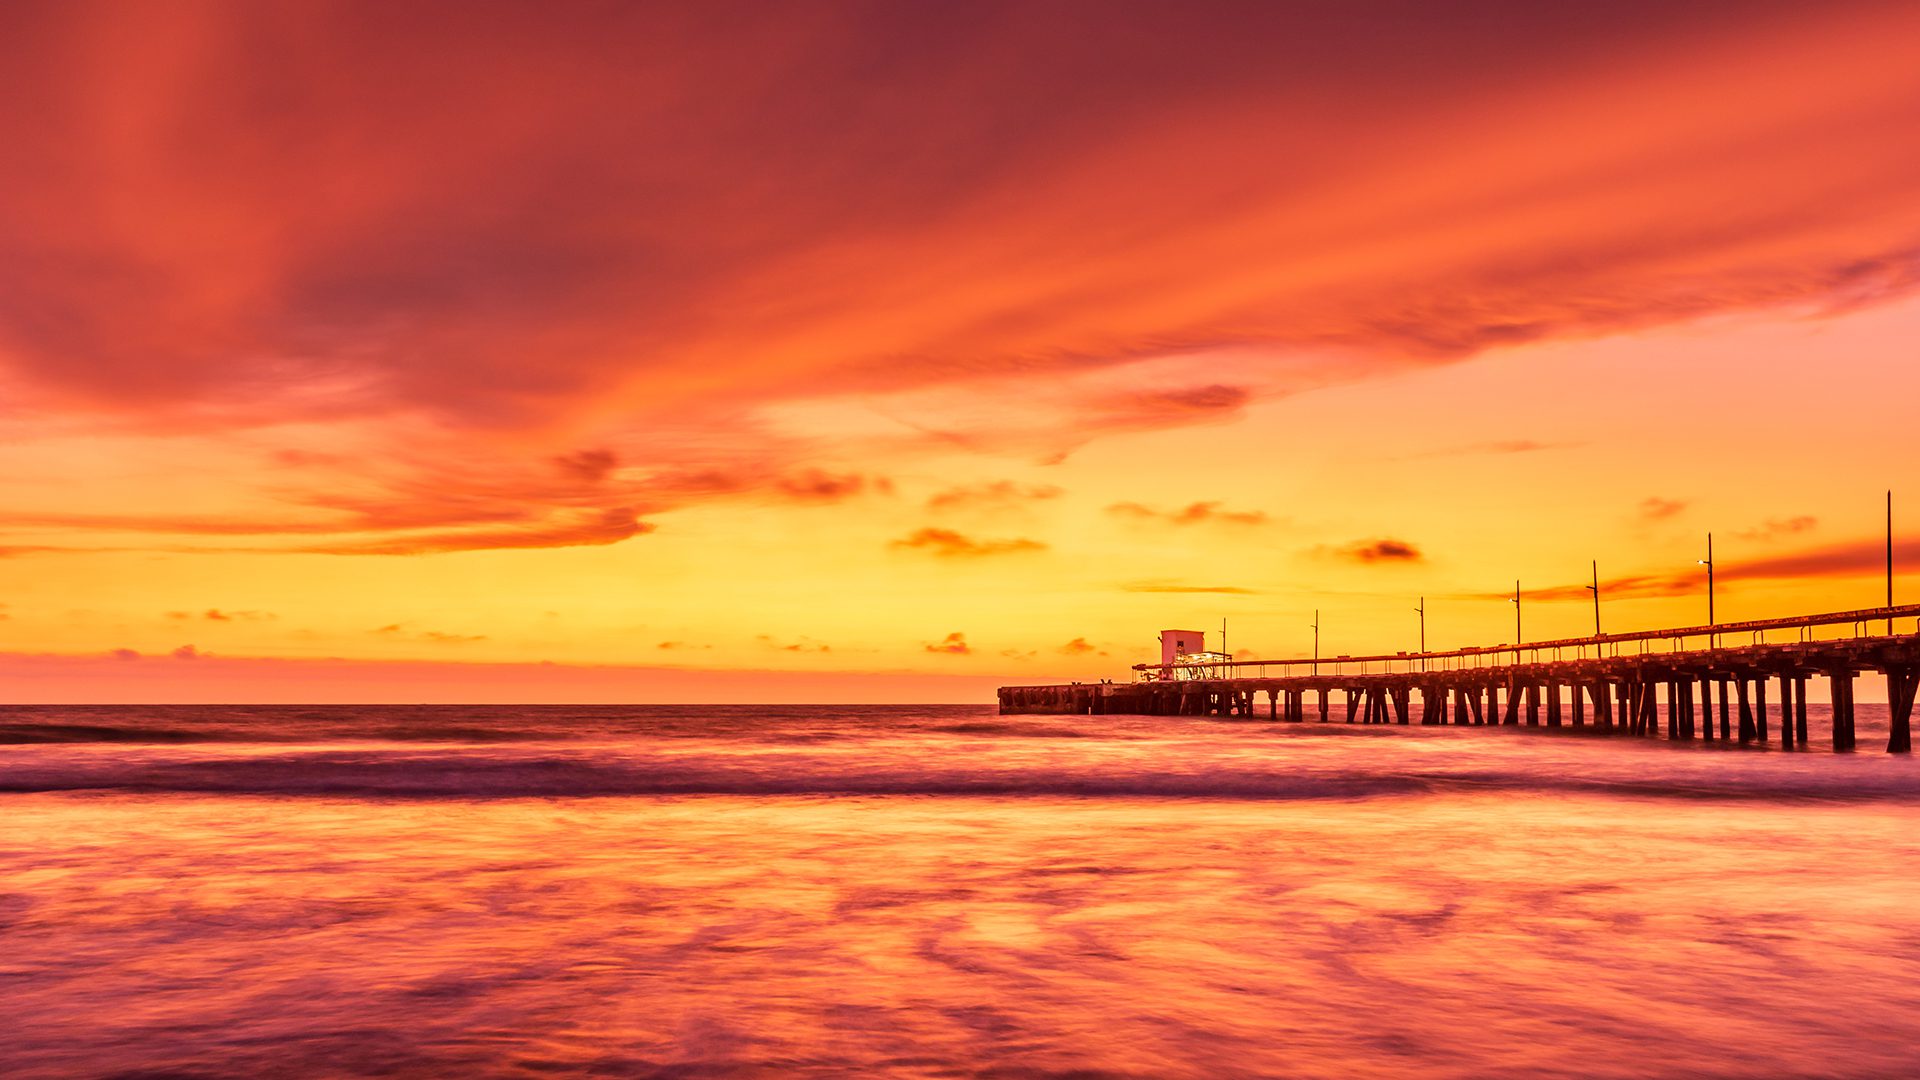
{"type": "Point", "coordinates": [1714, 681]}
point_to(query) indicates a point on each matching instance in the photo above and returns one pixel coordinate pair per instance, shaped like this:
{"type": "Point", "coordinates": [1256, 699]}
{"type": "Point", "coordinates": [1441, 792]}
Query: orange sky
{"type": "Point", "coordinates": [893, 352]}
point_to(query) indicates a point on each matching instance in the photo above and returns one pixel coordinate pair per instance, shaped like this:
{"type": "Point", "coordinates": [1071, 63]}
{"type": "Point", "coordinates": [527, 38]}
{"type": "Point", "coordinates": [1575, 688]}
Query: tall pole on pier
{"type": "Point", "coordinates": [1708, 563]}
{"type": "Point", "coordinates": [1595, 590]}
{"type": "Point", "coordinates": [1422, 610]}
{"type": "Point", "coordinates": [1316, 641]}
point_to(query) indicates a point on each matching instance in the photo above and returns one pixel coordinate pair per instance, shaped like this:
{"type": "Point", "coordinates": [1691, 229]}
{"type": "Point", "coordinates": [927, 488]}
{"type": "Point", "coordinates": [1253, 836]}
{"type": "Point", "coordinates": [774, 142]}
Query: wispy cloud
{"type": "Point", "coordinates": [803, 645]}
{"type": "Point", "coordinates": [1655, 508]}
{"type": "Point", "coordinates": [404, 631]}
{"type": "Point", "coordinates": [948, 544]}
{"type": "Point", "coordinates": [1183, 587]}
{"type": "Point", "coordinates": [1775, 528]}
{"type": "Point", "coordinates": [999, 493]}
{"type": "Point", "coordinates": [218, 616]}
{"type": "Point", "coordinates": [1199, 513]}
{"type": "Point", "coordinates": [1854, 558]}
{"type": "Point", "coordinates": [819, 485]}
{"type": "Point", "coordinates": [1493, 447]}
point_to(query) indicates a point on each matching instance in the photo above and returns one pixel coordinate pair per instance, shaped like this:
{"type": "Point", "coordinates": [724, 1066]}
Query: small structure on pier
{"type": "Point", "coordinates": [1184, 655]}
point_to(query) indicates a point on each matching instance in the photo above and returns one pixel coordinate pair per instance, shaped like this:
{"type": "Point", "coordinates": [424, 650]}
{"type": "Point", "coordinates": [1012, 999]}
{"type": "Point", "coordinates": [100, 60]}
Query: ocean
{"type": "Point", "coordinates": [826, 891]}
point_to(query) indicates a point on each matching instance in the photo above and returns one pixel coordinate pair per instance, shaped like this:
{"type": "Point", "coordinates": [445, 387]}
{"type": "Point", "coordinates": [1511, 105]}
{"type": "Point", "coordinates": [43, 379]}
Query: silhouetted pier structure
{"type": "Point", "coordinates": [1610, 684]}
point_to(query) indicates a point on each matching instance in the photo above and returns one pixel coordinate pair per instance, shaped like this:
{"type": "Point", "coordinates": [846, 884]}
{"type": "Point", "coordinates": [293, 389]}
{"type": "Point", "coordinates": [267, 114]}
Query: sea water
{"type": "Point", "coordinates": [941, 892]}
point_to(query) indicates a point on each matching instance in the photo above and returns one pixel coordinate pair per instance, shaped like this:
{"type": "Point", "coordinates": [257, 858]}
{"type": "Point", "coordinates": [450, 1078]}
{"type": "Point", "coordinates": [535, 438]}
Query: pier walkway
{"type": "Point", "coordinates": [1611, 683]}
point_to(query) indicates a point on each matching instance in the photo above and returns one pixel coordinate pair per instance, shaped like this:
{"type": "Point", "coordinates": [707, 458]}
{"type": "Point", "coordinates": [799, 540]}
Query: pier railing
{"type": "Point", "coordinates": [1863, 623]}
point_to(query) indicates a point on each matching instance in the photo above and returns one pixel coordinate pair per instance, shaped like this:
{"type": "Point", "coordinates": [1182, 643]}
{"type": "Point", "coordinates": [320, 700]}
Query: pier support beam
{"type": "Point", "coordinates": [1787, 740]}
{"type": "Point", "coordinates": [1842, 695]}
{"type": "Point", "coordinates": [1800, 709]}
{"type": "Point", "coordinates": [1902, 683]}
{"type": "Point", "coordinates": [1746, 712]}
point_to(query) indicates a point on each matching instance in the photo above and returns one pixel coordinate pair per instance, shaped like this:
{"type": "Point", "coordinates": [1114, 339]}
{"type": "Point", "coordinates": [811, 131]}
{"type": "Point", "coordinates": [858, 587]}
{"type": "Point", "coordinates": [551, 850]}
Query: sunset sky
{"type": "Point", "coordinates": [896, 351]}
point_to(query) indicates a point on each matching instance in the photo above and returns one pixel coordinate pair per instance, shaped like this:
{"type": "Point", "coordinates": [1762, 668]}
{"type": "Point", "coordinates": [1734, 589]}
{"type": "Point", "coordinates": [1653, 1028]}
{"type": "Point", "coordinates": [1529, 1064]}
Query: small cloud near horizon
{"type": "Point", "coordinates": [402, 631]}
{"type": "Point", "coordinates": [954, 644]}
{"type": "Point", "coordinates": [948, 544]}
{"type": "Point", "coordinates": [1080, 647]}
{"type": "Point", "coordinates": [805, 644]}
{"type": "Point", "coordinates": [1383, 550]}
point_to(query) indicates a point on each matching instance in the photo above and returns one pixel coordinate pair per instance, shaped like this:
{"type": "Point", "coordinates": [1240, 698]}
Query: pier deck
{"type": "Point", "coordinates": [1611, 683]}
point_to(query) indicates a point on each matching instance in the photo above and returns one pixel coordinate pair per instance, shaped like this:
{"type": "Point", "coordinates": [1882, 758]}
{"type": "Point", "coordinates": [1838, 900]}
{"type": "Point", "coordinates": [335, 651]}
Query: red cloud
{"type": "Point", "coordinates": [504, 257]}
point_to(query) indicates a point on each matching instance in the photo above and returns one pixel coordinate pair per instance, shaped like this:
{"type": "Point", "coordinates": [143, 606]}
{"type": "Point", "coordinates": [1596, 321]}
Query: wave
{"type": "Point", "coordinates": [480, 775]}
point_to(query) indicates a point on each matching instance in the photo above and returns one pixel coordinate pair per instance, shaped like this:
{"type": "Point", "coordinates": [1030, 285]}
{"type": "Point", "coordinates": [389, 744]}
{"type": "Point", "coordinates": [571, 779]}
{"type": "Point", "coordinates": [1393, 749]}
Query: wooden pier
{"type": "Point", "coordinates": [1706, 677]}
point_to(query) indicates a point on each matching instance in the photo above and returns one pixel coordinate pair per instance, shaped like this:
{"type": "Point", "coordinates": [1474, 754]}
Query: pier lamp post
{"type": "Point", "coordinates": [1316, 641]}
{"type": "Point", "coordinates": [1516, 621]}
{"type": "Point", "coordinates": [1708, 563]}
{"type": "Point", "coordinates": [1422, 612]}
{"type": "Point", "coordinates": [1595, 590]}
